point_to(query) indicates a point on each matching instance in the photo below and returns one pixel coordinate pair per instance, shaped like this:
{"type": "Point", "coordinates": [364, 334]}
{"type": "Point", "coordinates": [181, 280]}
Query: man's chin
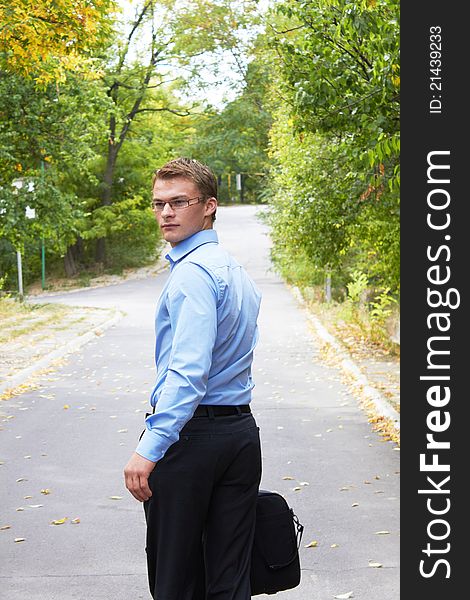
{"type": "Point", "coordinates": [171, 236]}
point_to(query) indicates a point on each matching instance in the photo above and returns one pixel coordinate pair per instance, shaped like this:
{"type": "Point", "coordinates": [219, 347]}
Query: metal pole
{"type": "Point", "coordinates": [239, 186]}
{"type": "Point", "coordinates": [43, 247]}
{"type": "Point", "coordinates": [43, 265]}
{"type": "Point", "coordinates": [20, 274]}
{"type": "Point", "coordinates": [328, 287]}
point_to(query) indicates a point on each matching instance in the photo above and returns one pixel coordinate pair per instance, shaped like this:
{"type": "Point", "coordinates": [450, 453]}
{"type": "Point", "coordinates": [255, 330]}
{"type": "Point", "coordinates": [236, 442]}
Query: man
{"type": "Point", "coordinates": [197, 466]}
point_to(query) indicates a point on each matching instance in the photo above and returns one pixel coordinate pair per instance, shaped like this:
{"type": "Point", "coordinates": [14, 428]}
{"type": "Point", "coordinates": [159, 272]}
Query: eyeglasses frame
{"type": "Point", "coordinates": [170, 202]}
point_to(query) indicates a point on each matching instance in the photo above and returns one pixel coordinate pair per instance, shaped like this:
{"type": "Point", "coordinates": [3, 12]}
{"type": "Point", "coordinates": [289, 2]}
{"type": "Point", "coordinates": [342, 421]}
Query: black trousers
{"type": "Point", "coordinates": [201, 516]}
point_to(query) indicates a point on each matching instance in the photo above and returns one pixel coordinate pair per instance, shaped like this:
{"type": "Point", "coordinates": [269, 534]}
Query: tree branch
{"type": "Point", "coordinates": [286, 30]}
{"type": "Point", "coordinates": [349, 106]}
{"type": "Point", "coordinates": [174, 111]}
{"type": "Point", "coordinates": [135, 26]}
{"type": "Point", "coordinates": [357, 56]}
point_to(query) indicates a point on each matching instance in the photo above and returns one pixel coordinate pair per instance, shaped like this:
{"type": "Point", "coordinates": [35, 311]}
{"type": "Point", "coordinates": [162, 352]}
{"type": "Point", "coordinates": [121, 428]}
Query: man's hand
{"type": "Point", "coordinates": [136, 474]}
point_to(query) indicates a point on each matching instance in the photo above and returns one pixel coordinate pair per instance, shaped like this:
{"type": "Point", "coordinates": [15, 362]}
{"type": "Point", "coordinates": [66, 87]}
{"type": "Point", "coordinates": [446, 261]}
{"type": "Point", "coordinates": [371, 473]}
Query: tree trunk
{"type": "Point", "coordinates": [78, 250]}
{"type": "Point", "coordinates": [106, 196]}
{"type": "Point", "coordinates": [69, 263]}
{"type": "Point", "coordinates": [116, 139]}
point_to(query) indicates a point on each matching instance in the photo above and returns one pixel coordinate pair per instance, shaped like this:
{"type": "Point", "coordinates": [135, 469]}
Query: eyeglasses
{"type": "Point", "coordinates": [176, 204]}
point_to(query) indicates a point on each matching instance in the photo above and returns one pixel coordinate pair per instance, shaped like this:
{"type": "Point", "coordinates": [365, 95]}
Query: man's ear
{"type": "Point", "coordinates": [211, 206]}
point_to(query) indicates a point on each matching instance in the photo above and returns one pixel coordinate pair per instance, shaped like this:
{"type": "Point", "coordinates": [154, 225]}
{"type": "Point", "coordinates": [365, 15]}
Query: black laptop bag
{"type": "Point", "coordinates": [275, 563]}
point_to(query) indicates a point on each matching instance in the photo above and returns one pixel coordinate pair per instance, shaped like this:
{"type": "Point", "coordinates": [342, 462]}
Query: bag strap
{"type": "Point", "coordinates": [299, 529]}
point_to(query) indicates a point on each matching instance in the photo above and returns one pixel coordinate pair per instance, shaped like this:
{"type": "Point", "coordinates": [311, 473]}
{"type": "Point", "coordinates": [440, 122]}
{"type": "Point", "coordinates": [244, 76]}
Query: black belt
{"type": "Point", "coordinates": [217, 410]}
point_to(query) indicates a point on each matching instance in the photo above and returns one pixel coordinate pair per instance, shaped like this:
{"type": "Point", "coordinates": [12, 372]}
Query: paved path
{"type": "Point", "coordinates": [73, 435]}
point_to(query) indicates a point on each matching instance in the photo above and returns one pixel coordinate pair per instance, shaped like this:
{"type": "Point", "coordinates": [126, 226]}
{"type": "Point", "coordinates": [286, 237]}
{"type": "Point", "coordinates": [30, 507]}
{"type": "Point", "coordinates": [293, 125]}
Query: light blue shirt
{"type": "Point", "coordinates": [206, 331]}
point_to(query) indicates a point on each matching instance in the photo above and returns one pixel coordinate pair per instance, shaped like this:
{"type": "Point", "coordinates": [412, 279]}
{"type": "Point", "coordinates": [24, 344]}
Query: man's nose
{"type": "Point", "coordinates": [167, 209]}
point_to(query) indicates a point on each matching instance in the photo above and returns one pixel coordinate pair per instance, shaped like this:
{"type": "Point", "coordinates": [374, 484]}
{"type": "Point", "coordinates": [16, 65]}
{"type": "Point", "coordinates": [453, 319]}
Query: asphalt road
{"type": "Point", "coordinates": [72, 437]}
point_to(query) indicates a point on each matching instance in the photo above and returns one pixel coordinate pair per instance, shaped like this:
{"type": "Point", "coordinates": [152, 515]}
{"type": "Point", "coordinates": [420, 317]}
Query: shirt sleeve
{"type": "Point", "coordinates": [192, 307]}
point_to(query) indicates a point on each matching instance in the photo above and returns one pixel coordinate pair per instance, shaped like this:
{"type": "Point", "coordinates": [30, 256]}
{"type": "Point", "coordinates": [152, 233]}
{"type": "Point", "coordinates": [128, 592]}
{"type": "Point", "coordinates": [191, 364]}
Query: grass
{"type": "Point", "coordinates": [21, 318]}
{"type": "Point", "coordinates": [355, 326]}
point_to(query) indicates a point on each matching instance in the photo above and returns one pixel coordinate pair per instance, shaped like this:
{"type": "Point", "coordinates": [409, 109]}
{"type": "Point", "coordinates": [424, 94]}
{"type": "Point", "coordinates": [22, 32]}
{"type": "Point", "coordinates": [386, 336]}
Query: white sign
{"type": "Point", "coordinates": [30, 212]}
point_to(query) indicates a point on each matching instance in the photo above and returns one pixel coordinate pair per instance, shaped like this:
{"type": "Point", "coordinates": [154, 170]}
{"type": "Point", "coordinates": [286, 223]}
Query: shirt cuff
{"type": "Point", "coordinates": [152, 446]}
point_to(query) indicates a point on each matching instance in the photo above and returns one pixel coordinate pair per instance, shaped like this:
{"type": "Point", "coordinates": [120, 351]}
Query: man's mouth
{"type": "Point", "coordinates": [169, 225]}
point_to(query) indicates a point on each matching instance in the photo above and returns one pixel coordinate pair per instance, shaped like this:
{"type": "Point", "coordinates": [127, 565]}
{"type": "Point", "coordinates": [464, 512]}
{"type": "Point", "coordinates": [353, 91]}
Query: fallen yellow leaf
{"type": "Point", "coordinates": [75, 521]}
{"type": "Point", "coordinates": [382, 532]}
{"type": "Point", "coordinates": [115, 497]}
{"type": "Point", "coordinates": [59, 521]}
{"type": "Point", "coordinates": [3, 527]}
{"type": "Point", "coordinates": [334, 546]}
{"type": "Point", "coordinates": [45, 491]}
{"type": "Point", "coordinates": [19, 540]}
{"type": "Point", "coordinates": [313, 544]}
{"type": "Point", "coordinates": [374, 564]}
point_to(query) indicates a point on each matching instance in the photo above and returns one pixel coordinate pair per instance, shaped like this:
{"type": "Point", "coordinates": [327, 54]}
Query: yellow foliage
{"type": "Point", "coordinates": [44, 40]}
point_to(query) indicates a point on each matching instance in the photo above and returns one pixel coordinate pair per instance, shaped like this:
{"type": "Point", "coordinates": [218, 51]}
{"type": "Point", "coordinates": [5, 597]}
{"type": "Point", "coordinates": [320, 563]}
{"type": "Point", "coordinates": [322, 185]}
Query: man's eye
{"type": "Point", "coordinates": [179, 203]}
{"type": "Point", "coordinates": [158, 205]}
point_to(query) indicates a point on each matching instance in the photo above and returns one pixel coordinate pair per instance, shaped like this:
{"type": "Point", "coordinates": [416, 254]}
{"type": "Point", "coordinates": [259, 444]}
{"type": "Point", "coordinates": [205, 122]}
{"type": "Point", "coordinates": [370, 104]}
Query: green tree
{"type": "Point", "coordinates": [235, 138]}
{"type": "Point", "coordinates": [175, 34]}
{"type": "Point", "coordinates": [338, 77]}
{"type": "Point", "coordinates": [49, 120]}
{"type": "Point", "coordinates": [47, 153]}
{"type": "Point", "coordinates": [64, 137]}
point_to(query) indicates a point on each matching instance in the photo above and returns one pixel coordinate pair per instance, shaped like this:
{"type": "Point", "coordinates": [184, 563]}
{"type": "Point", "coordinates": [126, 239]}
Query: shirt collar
{"type": "Point", "coordinates": [192, 242]}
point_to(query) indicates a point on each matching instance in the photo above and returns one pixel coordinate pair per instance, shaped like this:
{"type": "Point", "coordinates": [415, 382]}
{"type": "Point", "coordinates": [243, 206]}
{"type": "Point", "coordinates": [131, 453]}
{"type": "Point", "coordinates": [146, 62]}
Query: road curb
{"type": "Point", "coordinates": [371, 394]}
{"type": "Point", "coordinates": [44, 295]}
{"type": "Point", "coordinates": [19, 378]}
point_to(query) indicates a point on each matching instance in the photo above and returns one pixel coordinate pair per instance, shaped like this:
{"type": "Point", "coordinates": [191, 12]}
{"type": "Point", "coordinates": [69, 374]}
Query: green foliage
{"type": "Point", "coordinates": [152, 140]}
{"type": "Point", "coordinates": [56, 125]}
{"type": "Point", "coordinates": [49, 146]}
{"type": "Point", "coordinates": [126, 215]}
{"type": "Point", "coordinates": [382, 306]}
{"type": "Point", "coordinates": [340, 73]}
{"type": "Point", "coordinates": [133, 247]}
{"type": "Point", "coordinates": [335, 143]}
{"type": "Point", "coordinates": [81, 151]}
{"type": "Point", "coordinates": [357, 286]}
{"type": "Point", "coordinates": [314, 131]}
{"type": "Point", "coordinates": [31, 263]}
{"type": "Point", "coordinates": [235, 139]}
